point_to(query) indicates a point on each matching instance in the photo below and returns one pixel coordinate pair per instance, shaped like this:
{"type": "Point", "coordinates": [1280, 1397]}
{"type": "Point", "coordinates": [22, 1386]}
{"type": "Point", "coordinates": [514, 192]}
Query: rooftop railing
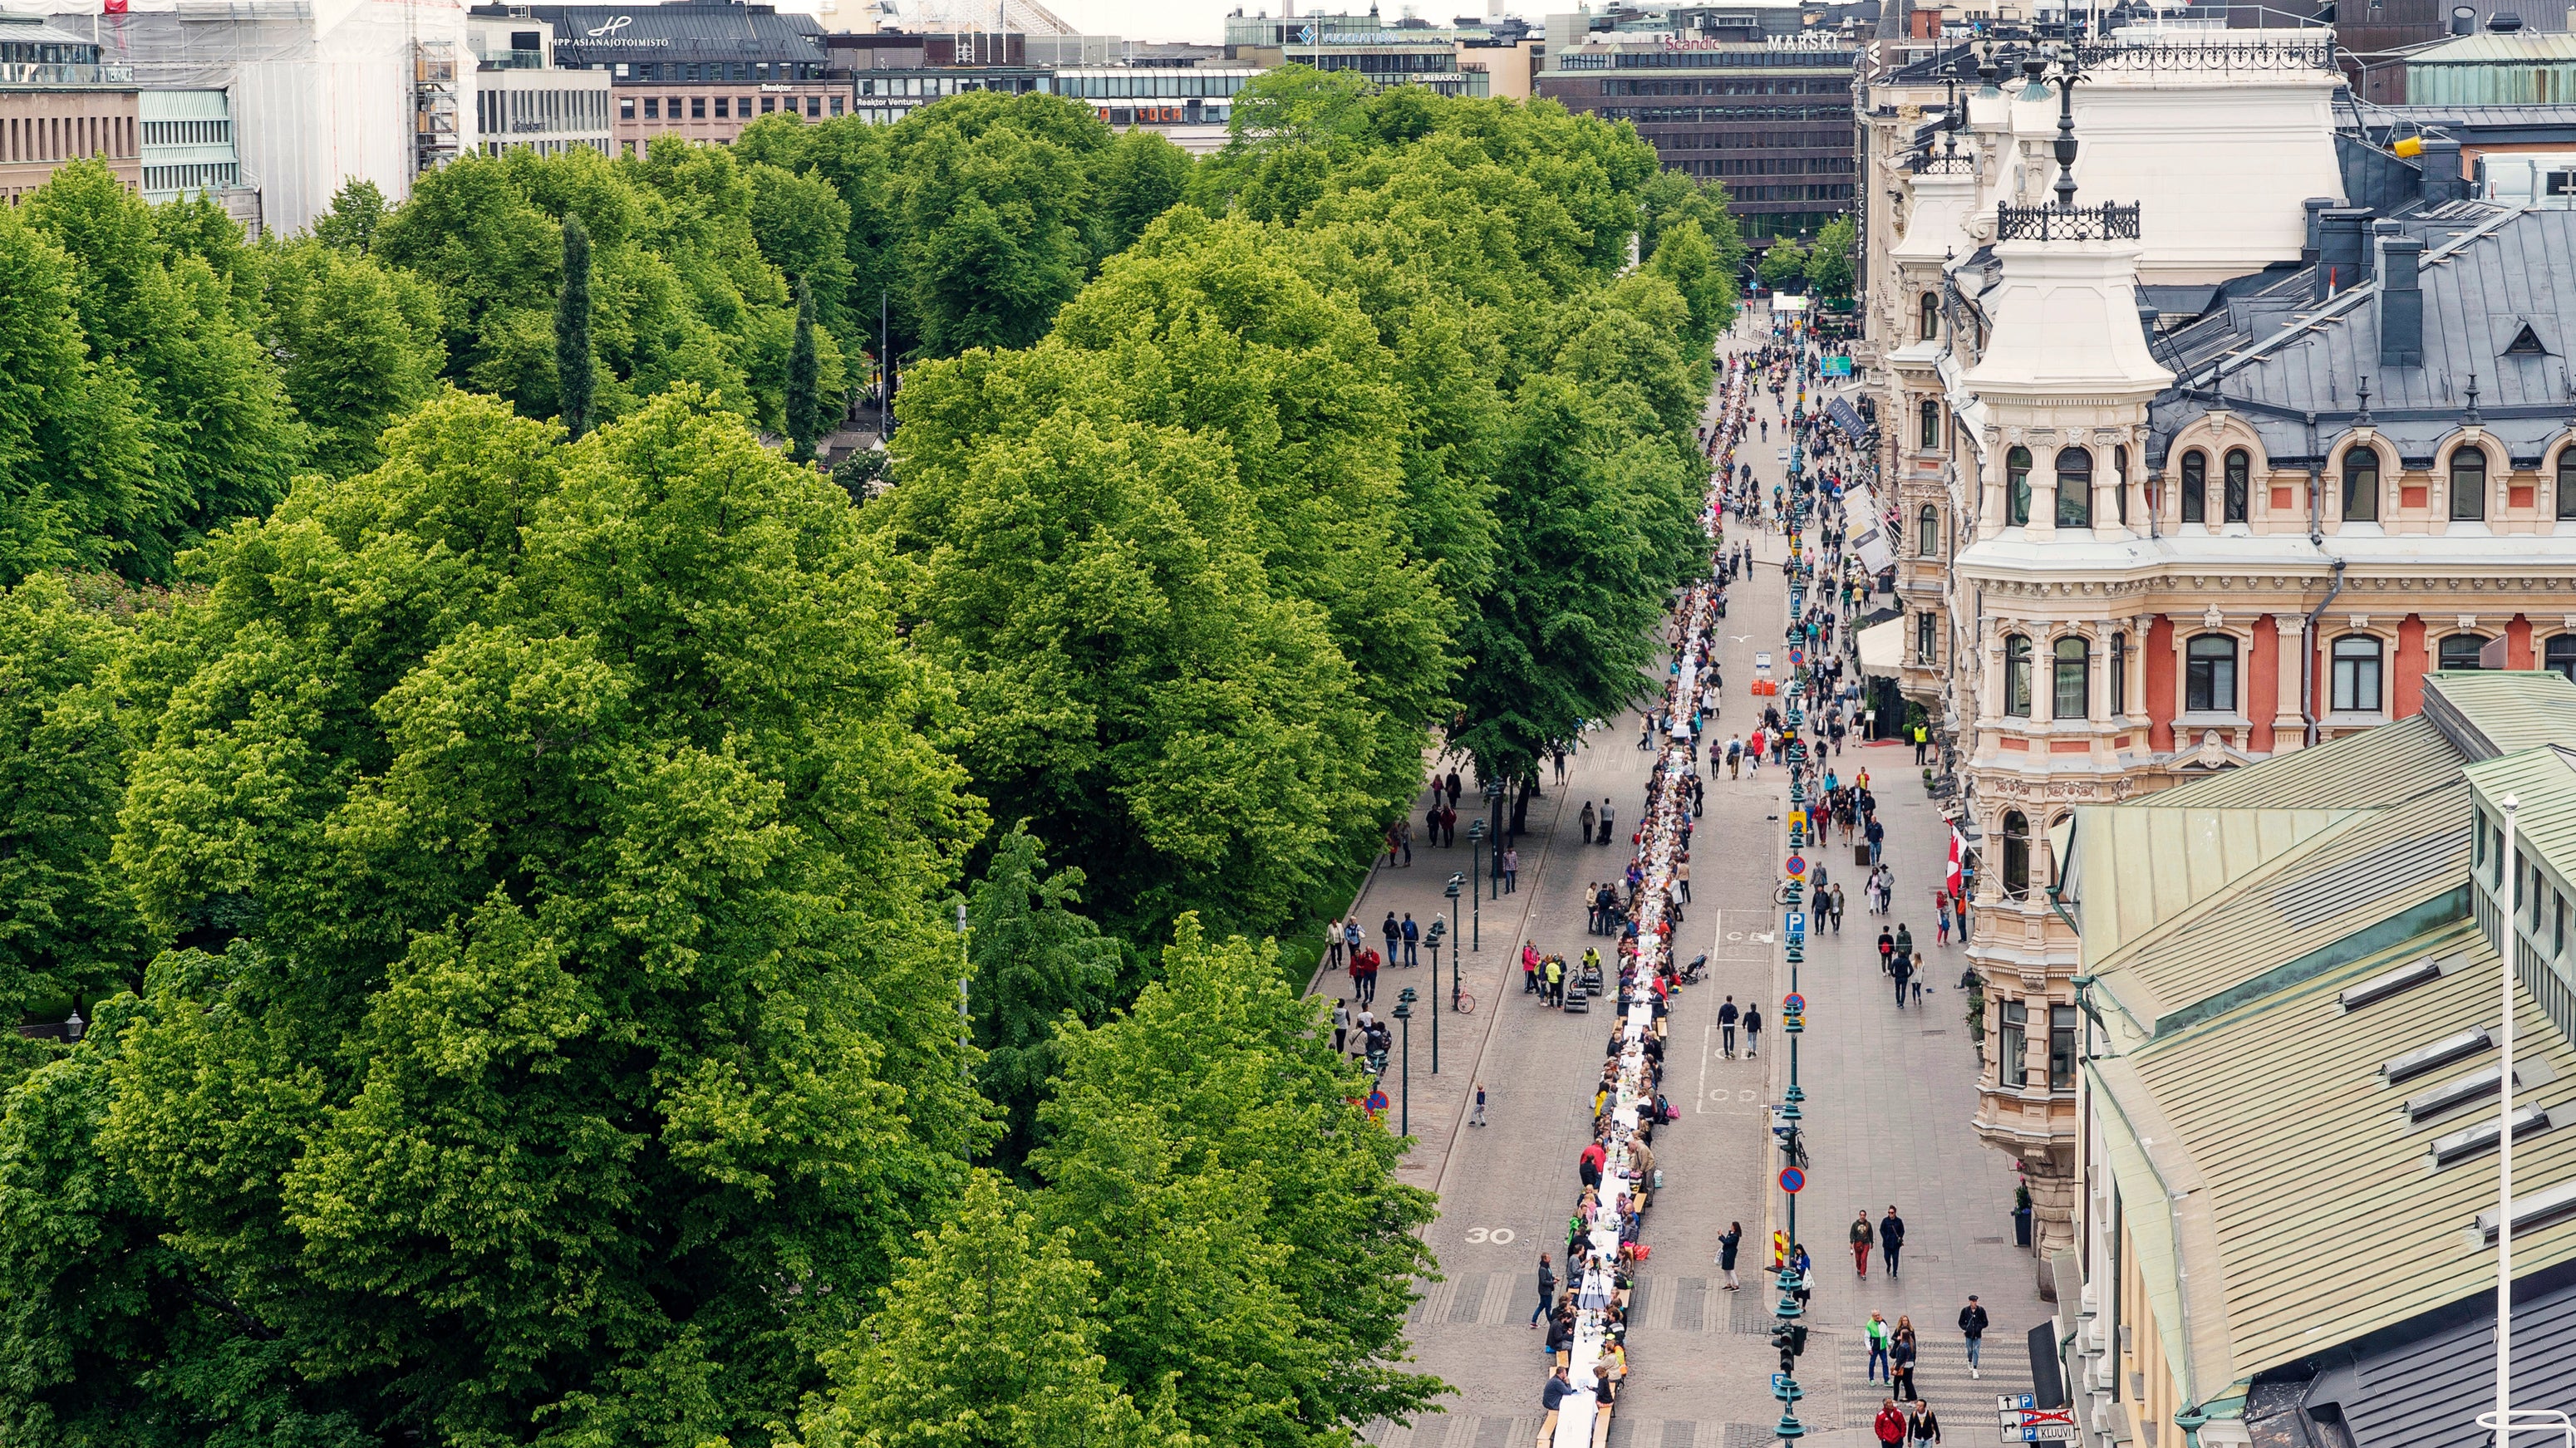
{"type": "Point", "coordinates": [2109, 221]}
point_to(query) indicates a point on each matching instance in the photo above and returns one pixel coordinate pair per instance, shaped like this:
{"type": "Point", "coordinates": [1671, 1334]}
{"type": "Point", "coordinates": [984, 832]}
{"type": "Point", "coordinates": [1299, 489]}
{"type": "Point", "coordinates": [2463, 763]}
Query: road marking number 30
{"type": "Point", "coordinates": [1499, 1236]}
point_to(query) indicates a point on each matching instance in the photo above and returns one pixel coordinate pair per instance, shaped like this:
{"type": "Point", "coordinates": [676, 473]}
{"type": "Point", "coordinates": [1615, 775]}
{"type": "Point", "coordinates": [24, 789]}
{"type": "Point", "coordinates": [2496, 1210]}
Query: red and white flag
{"type": "Point", "coordinates": [1958, 846]}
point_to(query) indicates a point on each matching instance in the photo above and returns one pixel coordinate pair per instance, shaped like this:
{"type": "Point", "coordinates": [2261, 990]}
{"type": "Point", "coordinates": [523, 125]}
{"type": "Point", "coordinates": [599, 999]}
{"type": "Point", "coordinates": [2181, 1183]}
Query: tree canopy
{"type": "Point", "coordinates": [505, 810]}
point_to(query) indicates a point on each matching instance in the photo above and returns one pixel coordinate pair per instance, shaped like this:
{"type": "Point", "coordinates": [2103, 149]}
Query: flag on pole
{"type": "Point", "coordinates": [112, 7]}
{"type": "Point", "coordinates": [1958, 846]}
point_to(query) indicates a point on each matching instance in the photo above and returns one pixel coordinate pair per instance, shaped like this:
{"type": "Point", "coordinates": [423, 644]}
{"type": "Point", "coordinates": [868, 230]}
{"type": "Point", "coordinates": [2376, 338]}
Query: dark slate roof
{"type": "Point", "coordinates": [2420, 1384]}
{"type": "Point", "coordinates": [1935, 67]}
{"type": "Point", "coordinates": [2487, 274]}
{"type": "Point", "coordinates": [703, 30]}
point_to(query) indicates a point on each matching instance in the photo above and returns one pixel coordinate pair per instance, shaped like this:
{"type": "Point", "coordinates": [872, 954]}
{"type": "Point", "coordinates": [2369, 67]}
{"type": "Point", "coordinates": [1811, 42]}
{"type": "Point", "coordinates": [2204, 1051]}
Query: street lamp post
{"type": "Point", "coordinates": [1494, 792]}
{"type": "Point", "coordinates": [1475, 892]}
{"type": "Point", "coordinates": [1404, 1014]}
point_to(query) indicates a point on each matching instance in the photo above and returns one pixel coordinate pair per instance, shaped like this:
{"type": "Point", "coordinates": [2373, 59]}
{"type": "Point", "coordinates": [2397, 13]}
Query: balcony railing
{"type": "Point", "coordinates": [2109, 221]}
{"type": "Point", "coordinates": [31, 72]}
{"type": "Point", "coordinates": [1949, 165]}
{"type": "Point", "coordinates": [2285, 53]}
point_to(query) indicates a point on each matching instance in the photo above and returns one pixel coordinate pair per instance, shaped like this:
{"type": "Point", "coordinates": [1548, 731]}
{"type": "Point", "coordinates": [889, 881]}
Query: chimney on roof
{"type": "Point", "coordinates": [2504, 23]}
{"type": "Point", "coordinates": [2401, 297]}
{"type": "Point", "coordinates": [2316, 206]}
{"type": "Point", "coordinates": [2464, 20]}
{"type": "Point", "coordinates": [2343, 249]}
{"type": "Point", "coordinates": [2442, 177]}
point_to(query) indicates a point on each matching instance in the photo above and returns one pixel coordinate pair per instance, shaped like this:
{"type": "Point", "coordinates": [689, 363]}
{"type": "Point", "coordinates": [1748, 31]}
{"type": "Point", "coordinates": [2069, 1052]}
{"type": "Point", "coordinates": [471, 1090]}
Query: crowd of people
{"type": "Point", "coordinates": [1584, 1311]}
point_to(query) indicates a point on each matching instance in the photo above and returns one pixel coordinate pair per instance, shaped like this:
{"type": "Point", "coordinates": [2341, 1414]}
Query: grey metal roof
{"type": "Point", "coordinates": [2487, 273]}
{"type": "Point", "coordinates": [595, 34]}
{"type": "Point", "coordinates": [2420, 1383]}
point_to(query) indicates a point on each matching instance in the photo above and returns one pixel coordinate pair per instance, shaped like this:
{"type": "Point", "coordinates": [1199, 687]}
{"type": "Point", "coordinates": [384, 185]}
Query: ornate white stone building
{"type": "Point", "coordinates": [2197, 464]}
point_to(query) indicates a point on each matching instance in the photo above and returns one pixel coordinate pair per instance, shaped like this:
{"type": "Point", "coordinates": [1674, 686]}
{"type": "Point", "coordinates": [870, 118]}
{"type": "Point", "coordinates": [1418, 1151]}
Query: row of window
{"type": "Point", "coordinates": [499, 112]}
{"type": "Point", "coordinates": [187, 133]}
{"type": "Point", "coordinates": [716, 72]}
{"type": "Point", "coordinates": [1721, 115]}
{"type": "Point", "coordinates": [2074, 486]}
{"type": "Point", "coordinates": [1757, 165]}
{"type": "Point", "coordinates": [2234, 496]}
{"type": "Point", "coordinates": [1827, 192]}
{"type": "Point", "coordinates": [194, 176]}
{"type": "Point", "coordinates": [726, 107]}
{"type": "Point", "coordinates": [2012, 1051]}
{"type": "Point", "coordinates": [1820, 87]}
{"type": "Point", "coordinates": [2210, 672]}
{"type": "Point", "coordinates": [61, 138]}
{"type": "Point", "coordinates": [2531, 888]}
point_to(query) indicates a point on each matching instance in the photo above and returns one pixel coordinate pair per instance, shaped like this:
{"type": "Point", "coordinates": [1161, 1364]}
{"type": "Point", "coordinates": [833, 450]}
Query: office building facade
{"type": "Point", "coordinates": [698, 70]}
{"type": "Point", "coordinates": [59, 103]}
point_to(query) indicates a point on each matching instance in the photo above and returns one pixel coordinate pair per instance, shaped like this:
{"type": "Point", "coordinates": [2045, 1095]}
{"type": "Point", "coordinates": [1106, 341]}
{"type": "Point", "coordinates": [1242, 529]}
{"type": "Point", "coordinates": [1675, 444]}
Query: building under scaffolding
{"type": "Point", "coordinates": [320, 92]}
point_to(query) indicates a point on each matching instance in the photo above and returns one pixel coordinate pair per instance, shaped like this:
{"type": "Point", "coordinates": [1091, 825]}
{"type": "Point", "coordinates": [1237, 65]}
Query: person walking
{"type": "Point", "coordinates": [1555, 981]}
{"type": "Point", "coordinates": [1681, 877]}
{"type": "Point", "coordinates": [1333, 943]}
{"type": "Point", "coordinates": [1886, 952]}
{"type": "Point", "coordinates": [1394, 934]}
{"type": "Point", "coordinates": [1341, 1025]}
{"type": "Point", "coordinates": [1369, 964]}
{"type": "Point", "coordinates": [1546, 1291]}
{"type": "Point", "coordinates": [1877, 834]}
{"type": "Point", "coordinates": [1924, 1425]}
{"type": "Point", "coordinates": [1838, 909]}
{"type": "Point", "coordinates": [1891, 1237]}
{"type": "Point", "coordinates": [1904, 939]}
{"type": "Point", "coordinates": [1727, 1016]}
{"type": "Point", "coordinates": [1412, 939]}
{"type": "Point", "coordinates": [1586, 818]}
{"type": "Point", "coordinates": [1902, 1351]}
{"type": "Point", "coordinates": [1729, 1242]}
{"type": "Point", "coordinates": [1920, 975]}
{"type": "Point", "coordinates": [1605, 819]}
{"type": "Point", "coordinates": [1902, 968]}
{"type": "Point", "coordinates": [1735, 757]}
{"type": "Point", "coordinates": [1351, 936]}
{"type": "Point", "coordinates": [1752, 1030]}
{"type": "Point", "coordinates": [1972, 1326]}
{"type": "Point", "coordinates": [1477, 1117]}
{"type": "Point", "coordinates": [1862, 1239]}
{"type": "Point", "coordinates": [1511, 870]}
{"type": "Point", "coordinates": [1880, 1336]}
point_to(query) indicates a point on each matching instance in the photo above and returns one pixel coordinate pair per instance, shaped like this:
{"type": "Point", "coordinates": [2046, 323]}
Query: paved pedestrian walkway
{"type": "Point", "coordinates": [1890, 1093]}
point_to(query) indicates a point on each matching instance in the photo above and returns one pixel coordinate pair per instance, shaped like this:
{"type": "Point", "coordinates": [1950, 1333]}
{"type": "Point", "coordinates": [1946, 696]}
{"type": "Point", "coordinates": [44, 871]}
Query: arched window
{"type": "Point", "coordinates": [2017, 487]}
{"type": "Point", "coordinates": [2119, 674]}
{"type": "Point", "coordinates": [2356, 675]}
{"type": "Point", "coordinates": [2017, 677]}
{"type": "Point", "coordinates": [2468, 485]}
{"type": "Point", "coordinates": [1931, 425]}
{"type": "Point", "coordinates": [1931, 315]}
{"type": "Point", "coordinates": [1927, 532]}
{"type": "Point", "coordinates": [2560, 656]}
{"type": "Point", "coordinates": [2073, 699]}
{"type": "Point", "coordinates": [2361, 486]}
{"type": "Point", "coordinates": [2567, 481]}
{"type": "Point", "coordinates": [2195, 487]}
{"type": "Point", "coordinates": [2209, 675]}
{"type": "Point", "coordinates": [2074, 487]}
{"type": "Point", "coordinates": [2120, 482]}
{"type": "Point", "coordinates": [2240, 482]}
{"type": "Point", "coordinates": [2460, 651]}
{"type": "Point", "coordinates": [2016, 855]}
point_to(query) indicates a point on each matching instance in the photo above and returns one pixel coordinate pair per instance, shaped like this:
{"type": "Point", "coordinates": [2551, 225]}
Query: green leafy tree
{"type": "Point", "coordinates": [222, 437]}
{"type": "Point", "coordinates": [359, 342]}
{"type": "Point", "coordinates": [572, 330]}
{"type": "Point", "coordinates": [1141, 176]}
{"type": "Point", "coordinates": [1036, 962]}
{"type": "Point", "coordinates": [986, 1340]}
{"type": "Point", "coordinates": [68, 931]}
{"type": "Point", "coordinates": [1207, 1154]}
{"type": "Point", "coordinates": [1829, 263]}
{"type": "Point", "coordinates": [992, 201]}
{"type": "Point", "coordinates": [76, 481]}
{"type": "Point", "coordinates": [357, 210]}
{"type": "Point", "coordinates": [1784, 266]}
{"type": "Point", "coordinates": [562, 1044]}
{"type": "Point", "coordinates": [806, 419]}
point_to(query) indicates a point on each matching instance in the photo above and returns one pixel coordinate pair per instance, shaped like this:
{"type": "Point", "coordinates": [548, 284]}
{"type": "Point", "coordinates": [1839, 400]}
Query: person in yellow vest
{"type": "Point", "coordinates": [1922, 742]}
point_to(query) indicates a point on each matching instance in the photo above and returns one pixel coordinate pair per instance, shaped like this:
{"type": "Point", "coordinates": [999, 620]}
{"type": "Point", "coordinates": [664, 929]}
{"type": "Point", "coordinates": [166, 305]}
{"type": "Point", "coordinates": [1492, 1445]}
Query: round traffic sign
{"type": "Point", "coordinates": [1797, 656]}
{"type": "Point", "coordinates": [1376, 1103]}
{"type": "Point", "coordinates": [1792, 1180]}
{"type": "Point", "coordinates": [1797, 867]}
{"type": "Point", "coordinates": [1793, 1004]}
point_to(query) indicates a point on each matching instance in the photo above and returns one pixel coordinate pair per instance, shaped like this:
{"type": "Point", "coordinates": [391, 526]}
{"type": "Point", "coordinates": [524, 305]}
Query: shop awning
{"type": "Point", "coordinates": [1882, 648]}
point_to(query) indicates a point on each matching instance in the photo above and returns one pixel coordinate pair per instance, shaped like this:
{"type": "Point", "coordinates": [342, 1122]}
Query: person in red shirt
{"type": "Point", "coordinates": [1589, 1168]}
{"type": "Point", "coordinates": [1889, 1425]}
